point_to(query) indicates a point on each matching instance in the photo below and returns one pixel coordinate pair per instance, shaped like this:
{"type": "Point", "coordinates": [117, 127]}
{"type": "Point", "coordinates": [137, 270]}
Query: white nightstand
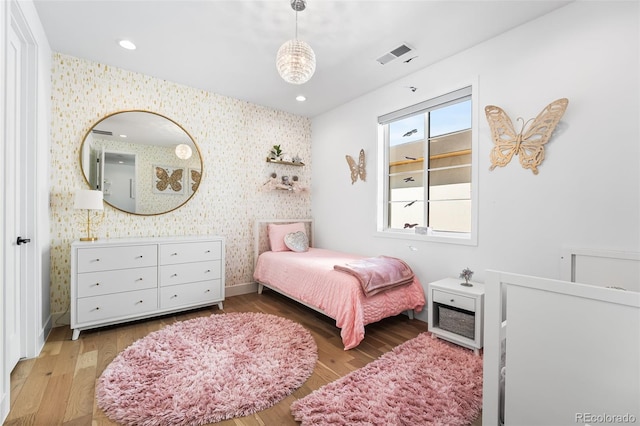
{"type": "Point", "coordinates": [456, 312]}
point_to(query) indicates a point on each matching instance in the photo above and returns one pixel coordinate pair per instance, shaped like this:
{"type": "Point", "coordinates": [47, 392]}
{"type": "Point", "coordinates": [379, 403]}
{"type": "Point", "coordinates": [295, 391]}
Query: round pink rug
{"type": "Point", "coordinates": [207, 369]}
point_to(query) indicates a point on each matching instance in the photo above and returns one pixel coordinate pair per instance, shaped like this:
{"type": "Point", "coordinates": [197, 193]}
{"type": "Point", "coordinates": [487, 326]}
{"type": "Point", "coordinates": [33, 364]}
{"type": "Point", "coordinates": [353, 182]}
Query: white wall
{"type": "Point", "coordinates": [588, 190]}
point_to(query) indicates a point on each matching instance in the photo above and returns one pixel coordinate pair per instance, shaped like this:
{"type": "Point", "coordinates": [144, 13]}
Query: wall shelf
{"type": "Point", "coordinates": [290, 163]}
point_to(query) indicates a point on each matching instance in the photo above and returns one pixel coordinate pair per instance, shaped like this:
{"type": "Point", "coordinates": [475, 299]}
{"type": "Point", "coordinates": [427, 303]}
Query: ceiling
{"type": "Point", "coordinates": [229, 47]}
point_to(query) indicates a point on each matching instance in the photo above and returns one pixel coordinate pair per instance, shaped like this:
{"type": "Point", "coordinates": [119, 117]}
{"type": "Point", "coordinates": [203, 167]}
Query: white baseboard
{"type": "Point", "coordinates": [60, 319]}
{"type": "Point", "coordinates": [237, 290]}
{"type": "Point", "coordinates": [4, 402]}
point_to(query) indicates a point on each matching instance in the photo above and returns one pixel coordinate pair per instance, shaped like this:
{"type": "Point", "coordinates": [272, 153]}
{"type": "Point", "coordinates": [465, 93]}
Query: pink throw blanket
{"type": "Point", "coordinates": [377, 274]}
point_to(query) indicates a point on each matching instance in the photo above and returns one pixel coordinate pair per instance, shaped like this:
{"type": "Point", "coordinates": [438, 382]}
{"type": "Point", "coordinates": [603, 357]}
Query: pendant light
{"type": "Point", "coordinates": [183, 151]}
{"type": "Point", "coordinates": [296, 61]}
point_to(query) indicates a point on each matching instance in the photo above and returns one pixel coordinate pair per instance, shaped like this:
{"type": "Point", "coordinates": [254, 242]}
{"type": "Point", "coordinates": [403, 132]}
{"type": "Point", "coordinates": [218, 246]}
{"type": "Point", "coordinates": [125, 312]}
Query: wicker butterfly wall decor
{"type": "Point", "coordinates": [168, 180]}
{"type": "Point", "coordinates": [357, 169]}
{"type": "Point", "coordinates": [529, 143]}
{"type": "Point", "coordinates": [196, 175]}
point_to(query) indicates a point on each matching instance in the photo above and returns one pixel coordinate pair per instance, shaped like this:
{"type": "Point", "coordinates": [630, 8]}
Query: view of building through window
{"type": "Point", "coordinates": [429, 168]}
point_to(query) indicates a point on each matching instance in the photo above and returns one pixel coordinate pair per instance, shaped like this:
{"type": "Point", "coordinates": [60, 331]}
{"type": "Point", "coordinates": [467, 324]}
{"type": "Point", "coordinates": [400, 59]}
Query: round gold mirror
{"type": "Point", "coordinates": [143, 162]}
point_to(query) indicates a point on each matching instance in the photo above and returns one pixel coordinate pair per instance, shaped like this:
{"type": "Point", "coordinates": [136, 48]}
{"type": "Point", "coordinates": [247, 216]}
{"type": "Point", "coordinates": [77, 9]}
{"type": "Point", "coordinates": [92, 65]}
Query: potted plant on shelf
{"type": "Point", "coordinates": [276, 153]}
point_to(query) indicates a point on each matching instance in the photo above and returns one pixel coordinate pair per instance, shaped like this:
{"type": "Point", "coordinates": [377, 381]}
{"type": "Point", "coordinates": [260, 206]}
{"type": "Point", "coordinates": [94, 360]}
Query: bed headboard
{"type": "Point", "coordinates": [261, 239]}
{"type": "Point", "coordinates": [604, 268]}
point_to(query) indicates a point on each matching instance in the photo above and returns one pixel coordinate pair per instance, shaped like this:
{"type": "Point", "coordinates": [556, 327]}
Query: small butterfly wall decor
{"type": "Point", "coordinates": [168, 180]}
{"type": "Point", "coordinates": [195, 175]}
{"type": "Point", "coordinates": [528, 144]}
{"type": "Point", "coordinates": [357, 169]}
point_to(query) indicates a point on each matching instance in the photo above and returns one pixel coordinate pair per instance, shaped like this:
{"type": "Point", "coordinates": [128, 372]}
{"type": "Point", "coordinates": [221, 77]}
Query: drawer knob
{"type": "Point", "coordinates": [139, 301]}
{"type": "Point", "coordinates": [174, 254]}
{"type": "Point", "coordinates": [207, 290]}
{"type": "Point", "coordinates": [97, 260]}
{"type": "Point", "coordinates": [97, 283]}
{"type": "Point", "coordinates": [139, 257]}
{"type": "Point", "coordinates": [208, 270]}
{"type": "Point", "coordinates": [174, 275]}
{"type": "Point", "coordinates": [139, 279]}
{"type": "Point", "coordinates": [208, 251]}
{"type": "Point", "coordinates": [97, 308]}
{"type": "Point", "coordinates": [452, 300]}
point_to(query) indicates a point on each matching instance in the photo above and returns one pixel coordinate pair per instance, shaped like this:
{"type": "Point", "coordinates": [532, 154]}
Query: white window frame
{"type": "Point", "coordinates": [383, 230]}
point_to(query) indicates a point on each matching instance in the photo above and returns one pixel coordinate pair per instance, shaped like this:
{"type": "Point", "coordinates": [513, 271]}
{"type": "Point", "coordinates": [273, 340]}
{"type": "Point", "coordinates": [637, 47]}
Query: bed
{"type": "Point", "coordinates": [560, 351]}
{"type": "Point", "coordinates": [309, 277]}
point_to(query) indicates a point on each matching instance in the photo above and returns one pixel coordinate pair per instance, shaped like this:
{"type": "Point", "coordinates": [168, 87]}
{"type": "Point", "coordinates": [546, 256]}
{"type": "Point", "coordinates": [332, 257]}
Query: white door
{"type": "Point", "coordinates": [23, 303]}
{"type": "Point", "coordinates": [12, 201]}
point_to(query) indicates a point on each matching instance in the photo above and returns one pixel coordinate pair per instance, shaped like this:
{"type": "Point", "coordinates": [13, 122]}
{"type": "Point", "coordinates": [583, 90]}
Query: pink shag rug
{"type": "Point", "coordinates": [423, 381]}
{"type": "Point", "coordinates": [207, 369]}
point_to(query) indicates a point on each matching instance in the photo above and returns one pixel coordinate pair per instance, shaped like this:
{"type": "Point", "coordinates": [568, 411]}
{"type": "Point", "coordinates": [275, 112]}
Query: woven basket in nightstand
{"type": "Point", "coordinates": [457, 321]}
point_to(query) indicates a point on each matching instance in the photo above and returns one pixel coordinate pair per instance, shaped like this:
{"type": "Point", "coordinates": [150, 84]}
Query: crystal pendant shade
{"type": "Point", "coordinates": [296, 62]}
{"type": "Point", "coordinates": [183, 151]}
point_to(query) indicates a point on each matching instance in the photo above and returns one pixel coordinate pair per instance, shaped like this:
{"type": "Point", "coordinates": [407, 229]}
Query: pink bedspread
{"type": "Point", "coordinates": [310, 278]}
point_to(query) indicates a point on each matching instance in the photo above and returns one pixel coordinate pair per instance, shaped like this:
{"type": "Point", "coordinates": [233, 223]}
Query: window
{"type": "Point", "coordinates": [428, 158]}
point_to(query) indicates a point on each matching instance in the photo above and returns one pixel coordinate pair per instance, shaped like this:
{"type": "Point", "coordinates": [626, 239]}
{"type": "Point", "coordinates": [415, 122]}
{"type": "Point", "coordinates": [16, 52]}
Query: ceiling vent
{"type": "Point", "coordinates": [403, 49]}
{"type": "Point", "coordinates": [102, 132]}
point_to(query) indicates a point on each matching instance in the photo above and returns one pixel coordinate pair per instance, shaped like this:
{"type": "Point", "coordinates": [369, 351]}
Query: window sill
{"type": "Point", "coordinates": [466, 239]}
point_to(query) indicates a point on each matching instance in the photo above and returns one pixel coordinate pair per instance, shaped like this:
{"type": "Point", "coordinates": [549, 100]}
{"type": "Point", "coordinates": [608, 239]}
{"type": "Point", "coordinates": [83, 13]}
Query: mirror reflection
{"type": "Point", "coordinates": [143, 162]}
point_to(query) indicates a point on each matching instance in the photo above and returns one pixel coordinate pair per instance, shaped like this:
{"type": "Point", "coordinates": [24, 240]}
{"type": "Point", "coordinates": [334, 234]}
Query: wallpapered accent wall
{"type": "Point", "coordinates": [234, 138]}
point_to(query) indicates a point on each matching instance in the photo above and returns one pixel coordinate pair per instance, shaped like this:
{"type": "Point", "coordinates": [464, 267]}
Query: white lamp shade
{"type": "Point", "coordinates": [183, 151]}
{"type": "Point", "coordinates": [296, 62]}
{"type": "Point", "coordinates": [88, 199]}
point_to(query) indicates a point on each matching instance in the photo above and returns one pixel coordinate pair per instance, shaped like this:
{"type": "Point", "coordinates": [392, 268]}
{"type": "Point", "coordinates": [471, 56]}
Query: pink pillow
{"type": "Point", "coordinates": [277, 232]}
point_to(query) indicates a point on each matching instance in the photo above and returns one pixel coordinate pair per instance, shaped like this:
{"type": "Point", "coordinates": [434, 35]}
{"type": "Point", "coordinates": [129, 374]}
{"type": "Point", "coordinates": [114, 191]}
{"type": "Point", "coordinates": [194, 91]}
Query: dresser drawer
{"type": "Point", "coordinates": [190, 294]}
{"type": "Point", "coordinates": [189, 272]}
{"type": "Point", "coordinates": [118, 305]}
{"type": "Point", "coordinates": [456, 300]}
{"type": "Point", "coordinates": [173, 253]}
{"type": "Point", "coordinates": [105, 282]}
{"type": "Point", "coordinates": [117, 257]}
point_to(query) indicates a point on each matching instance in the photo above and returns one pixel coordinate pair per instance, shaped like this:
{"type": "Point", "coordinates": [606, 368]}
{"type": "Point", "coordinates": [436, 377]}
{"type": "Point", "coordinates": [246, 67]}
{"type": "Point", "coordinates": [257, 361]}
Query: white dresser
{"type": "Point", "coordinates": [125, 279]}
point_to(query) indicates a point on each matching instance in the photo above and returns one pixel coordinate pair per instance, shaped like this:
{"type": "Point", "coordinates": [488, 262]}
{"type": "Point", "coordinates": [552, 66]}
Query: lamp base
{"type": "Point", "coordinates": [89, 239]}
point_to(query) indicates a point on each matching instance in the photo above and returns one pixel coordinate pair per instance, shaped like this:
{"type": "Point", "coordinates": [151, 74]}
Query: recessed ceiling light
{"type": "Point", "coordinates": [300, 98]}
{"type": "Point", "coordinates": [127, 44]}
{"type": "Point", "coordinates": [123, 136]}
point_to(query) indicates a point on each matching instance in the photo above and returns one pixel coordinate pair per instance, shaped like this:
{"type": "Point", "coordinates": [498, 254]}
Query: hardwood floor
{"type": "Point", "coordinates": [57, 387]}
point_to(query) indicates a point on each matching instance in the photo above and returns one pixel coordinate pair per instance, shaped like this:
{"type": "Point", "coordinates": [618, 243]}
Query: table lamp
{"type": "Point", "coordinates": [88, 199]}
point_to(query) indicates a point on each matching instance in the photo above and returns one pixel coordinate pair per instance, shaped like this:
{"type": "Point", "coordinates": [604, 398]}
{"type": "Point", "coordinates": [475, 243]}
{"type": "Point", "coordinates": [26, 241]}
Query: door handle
{"type": "Point", "coordinates": [21, 240]}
